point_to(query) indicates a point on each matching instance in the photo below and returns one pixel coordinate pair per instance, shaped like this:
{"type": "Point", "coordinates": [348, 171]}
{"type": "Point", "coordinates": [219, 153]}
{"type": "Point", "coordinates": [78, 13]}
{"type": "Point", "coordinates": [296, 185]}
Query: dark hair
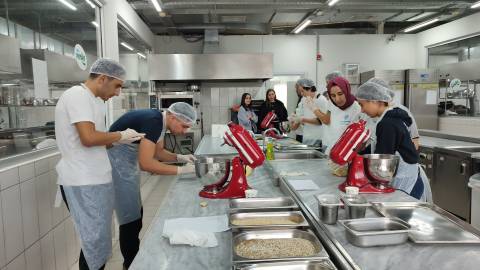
{"type": "Point", "coordinates": [244, 96]}
{"type": "Point", "coordinates": [268, 92]}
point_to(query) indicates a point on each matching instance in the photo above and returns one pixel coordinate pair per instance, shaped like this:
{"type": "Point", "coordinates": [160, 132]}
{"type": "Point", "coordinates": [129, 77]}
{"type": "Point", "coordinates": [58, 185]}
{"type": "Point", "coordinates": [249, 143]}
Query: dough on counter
{"type": "Point", "coordinates": [203, 204]}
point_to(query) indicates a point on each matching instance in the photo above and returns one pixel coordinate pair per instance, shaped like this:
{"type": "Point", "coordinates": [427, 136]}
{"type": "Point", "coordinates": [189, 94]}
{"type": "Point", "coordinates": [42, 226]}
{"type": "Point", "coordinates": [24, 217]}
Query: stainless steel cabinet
{"type": "Point", "coordinates": [450, 185]}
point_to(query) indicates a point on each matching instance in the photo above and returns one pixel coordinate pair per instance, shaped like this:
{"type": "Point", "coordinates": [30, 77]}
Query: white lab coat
{"type": "Point", "coordinates": [313, 134]}
{"type": "Point", "coordinates": [339, 121]}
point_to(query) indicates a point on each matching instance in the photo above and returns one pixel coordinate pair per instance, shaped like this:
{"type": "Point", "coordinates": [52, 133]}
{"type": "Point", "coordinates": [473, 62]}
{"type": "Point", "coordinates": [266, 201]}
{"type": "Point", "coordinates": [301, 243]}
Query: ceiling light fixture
{"type": "Point", "coordinates": [420, 25]}
{"type": "Point", "coordinates": [68, 4]}
{"type": "Point", "coordinates": [332, 2]}
{"type": "Point", "coordinates": [156, 5]}
{"type": "Point", "coordinates": [142, 55]}
{"type": "Point", "coordinates": [94, 23]}
{"type": "Point", "coordinates": [126, 46]}
{"type": "Point", "coordinates": [419, 16]}
{"type": "Point", "coordinates": [475, 5]}
{"type": "Point", "coordinates": [90, 3]}
{"type": "Point", "coordinates": [302, 26]}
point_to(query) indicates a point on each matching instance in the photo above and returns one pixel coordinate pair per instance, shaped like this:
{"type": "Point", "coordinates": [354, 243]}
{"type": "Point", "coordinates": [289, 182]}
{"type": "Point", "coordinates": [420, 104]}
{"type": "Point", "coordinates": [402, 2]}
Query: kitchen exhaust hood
{"type": "Point", "coordinates": [10, 55]}
{"type": "Point", "coordinates": [210, 67]}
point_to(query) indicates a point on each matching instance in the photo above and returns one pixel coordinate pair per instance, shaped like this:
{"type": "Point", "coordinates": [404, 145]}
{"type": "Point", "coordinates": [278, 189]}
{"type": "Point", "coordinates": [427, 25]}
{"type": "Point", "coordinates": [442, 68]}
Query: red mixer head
{"type": "Point", "coordinates": [348, 144]}
{"type": "Point", "coordinates": [269, 118]}
{"type": "Point", "coordinates": [242, 140]}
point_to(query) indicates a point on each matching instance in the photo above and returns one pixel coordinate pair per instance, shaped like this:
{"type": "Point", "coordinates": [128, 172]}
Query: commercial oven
{"type": "Point", "coordinates": [427, 160]}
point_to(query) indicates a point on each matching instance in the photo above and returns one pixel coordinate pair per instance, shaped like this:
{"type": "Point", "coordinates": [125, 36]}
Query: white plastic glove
{"type": "Point", "coordinates": [310, 104]}
{"type": "Point", "coordinates": [187, 169]}
{"type": "Point", "coordinates": [294, 118]}
{"type": "Point", "coordinates": [186, 158]}
{"type": "Point", "coordinates": [129, 135]}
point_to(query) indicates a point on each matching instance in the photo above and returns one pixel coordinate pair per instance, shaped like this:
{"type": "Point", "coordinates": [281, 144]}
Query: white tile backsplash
{"type": "Point", "coordinates": [224, 97]}
{"type": "Point", "coordinates": [215, 115]}
{"type": "Point", "coordinates": [41, 166]}
{"type": "Point", "coordinates": [232, 96]}
{"type": "Point", "coordinates": [29, 212]}
{"type": "Point", "coordinates": [71, 242]}
{"type": "Point", "coordinates": [26, 172]}
{"type": "Point", "coordinates": [52, 161]}
{"type": "Point", "coordinates": [17, 264]}
{"type": "Point", "coordinates": [215, 96]}
{"type": "Point", "coordinates": [33, 257]}
{"type": "Point", "coordinates": [3, 260]}
{"type": "Point", "coordinates": [47, 249]}
{"type": "Point", "coordinates": [45, 203]}
{"type": "Point", "coordinates": [58, 213]}
{"type": "Point", "coordinates": [60, 244]}
{"type": "Point", "coordinates": [12, 222]}
{"type": "Point", "coordinates": [8, 178]}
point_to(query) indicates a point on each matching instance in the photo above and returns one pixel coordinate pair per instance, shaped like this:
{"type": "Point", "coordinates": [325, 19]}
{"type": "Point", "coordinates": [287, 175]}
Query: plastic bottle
{"type": "Point", "coordinates": [269, 154]}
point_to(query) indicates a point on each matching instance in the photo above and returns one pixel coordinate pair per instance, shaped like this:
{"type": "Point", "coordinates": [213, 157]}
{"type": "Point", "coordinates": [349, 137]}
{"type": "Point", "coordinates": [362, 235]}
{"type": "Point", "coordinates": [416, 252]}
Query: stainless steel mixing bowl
{"type": "Point", "coordinates": [381, 167]}
{"type": "Point", "coordinates": [210, 170]}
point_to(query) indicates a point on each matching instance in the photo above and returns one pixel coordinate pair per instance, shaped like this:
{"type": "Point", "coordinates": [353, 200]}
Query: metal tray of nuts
{"type": "Point", "coordinates": [324, 264]}
{"type": "Point", "coordinates": [267, 220]}
{"type": "Point", "coordinates": [262, 204]}
{"type": "Point", "coordinates": [276, 245]}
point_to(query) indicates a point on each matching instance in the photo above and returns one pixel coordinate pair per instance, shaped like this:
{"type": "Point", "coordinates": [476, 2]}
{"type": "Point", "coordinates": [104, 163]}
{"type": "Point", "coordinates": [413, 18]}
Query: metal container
{"type": "Point", "coordinates": [320, 252]}
{"type": "Point", "coordinates": [296, 217]}
{"type": "Point", "coordinates": [210, 170]}
{"type": "Point", "coordinates": [328, 208]}
{"type": "Point", "coordinates": [355, 206]}
{"type": "Point", "coordinates": [381, 168]}
{"type": "Point", "coordinates": [262, 204]}
{"type": "Point", "coordinates": [430, 223]}
{"type": "Point", "coordinates": [292, 265]}
{"type": "Point", "coordinates": [369, 232]}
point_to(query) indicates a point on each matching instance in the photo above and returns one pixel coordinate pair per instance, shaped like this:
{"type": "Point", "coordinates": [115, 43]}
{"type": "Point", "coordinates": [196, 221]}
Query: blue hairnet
{"type": "Point", "coordinates": [184, 111]}
{"type": "Point", "coordinates": [108, 67]}
{"type": "Point", "coordinates": [306, 83]}
{"type": "Point", "coordinates": [374, 92]}
{"type": "Point", "coordinates": [333, 75]}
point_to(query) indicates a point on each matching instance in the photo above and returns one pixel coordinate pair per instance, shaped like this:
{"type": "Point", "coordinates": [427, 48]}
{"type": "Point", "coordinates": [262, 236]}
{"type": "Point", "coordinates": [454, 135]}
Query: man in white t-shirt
{"type": "Point", "coordinates": [84, 171]}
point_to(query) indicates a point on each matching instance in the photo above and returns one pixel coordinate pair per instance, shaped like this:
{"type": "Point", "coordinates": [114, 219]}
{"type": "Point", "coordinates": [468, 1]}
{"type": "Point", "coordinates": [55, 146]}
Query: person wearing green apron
{"type": "Point", "coordinates": [128, 159]}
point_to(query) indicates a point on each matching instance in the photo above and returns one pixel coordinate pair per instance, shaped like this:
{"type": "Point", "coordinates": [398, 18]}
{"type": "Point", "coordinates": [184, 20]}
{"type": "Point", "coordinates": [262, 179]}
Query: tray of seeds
{"type": "Point", "coordinates": [276, 245]}
{"type": "Point", "coordinates": [267, 220]}
{"type": "Point", "coordinates": [262, 204]}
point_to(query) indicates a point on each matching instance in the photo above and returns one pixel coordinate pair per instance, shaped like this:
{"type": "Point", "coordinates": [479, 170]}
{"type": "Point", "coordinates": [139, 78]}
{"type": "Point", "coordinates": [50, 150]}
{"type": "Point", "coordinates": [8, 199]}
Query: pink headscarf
{"type": "Point", "coordinates": [347, 91]}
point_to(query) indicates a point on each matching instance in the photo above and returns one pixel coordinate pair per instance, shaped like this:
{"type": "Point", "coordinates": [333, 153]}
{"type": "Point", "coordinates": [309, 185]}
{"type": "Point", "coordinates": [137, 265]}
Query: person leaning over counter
{"type": "Point", "coordinates": [178, 118]}
{"type": "Point", "coordinates": [246, 116]}
{"type": "Point", "coordinates": [272, 104]}
{"type": "Point", "coordinates": [312, 127]}
{"type": "Point", "coordinates": [84, 172]}
{"type": "Point", "coordinates": [342, 109]}
{"type": "Point", "coordinates": [392, 137]}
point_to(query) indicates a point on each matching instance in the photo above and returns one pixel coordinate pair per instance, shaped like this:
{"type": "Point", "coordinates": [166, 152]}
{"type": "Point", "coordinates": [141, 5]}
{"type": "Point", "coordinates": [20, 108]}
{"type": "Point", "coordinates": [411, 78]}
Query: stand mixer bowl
{"type": "Point", "coordinates": [210, 170]}
{"type": "Point", "coordinates": [381, 168]}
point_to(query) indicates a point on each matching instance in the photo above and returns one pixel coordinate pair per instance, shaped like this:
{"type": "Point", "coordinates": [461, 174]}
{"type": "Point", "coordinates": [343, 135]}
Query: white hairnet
{"type": "Point", "coordinates": [306, 83]}
{"type": "Point", "coordinates": [184, 111]}
{"type": "Point", "coordinates": [374, 92]}
{"type": "Point", "coordinates": [384, 84]}
{"type": "Point", "coordinates": [332, 75]}
{"type": "Point", "coordinates": [108, 67]}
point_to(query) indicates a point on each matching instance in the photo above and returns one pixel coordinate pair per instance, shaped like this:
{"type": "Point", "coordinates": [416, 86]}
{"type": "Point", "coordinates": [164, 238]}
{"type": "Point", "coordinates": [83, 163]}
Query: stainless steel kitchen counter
{"type": "Point", "coordinates": [431, 142]}
{"type": "Point", "coordinates": [183, 201]}
{"type": "Point", "coordinates": [28, 157]}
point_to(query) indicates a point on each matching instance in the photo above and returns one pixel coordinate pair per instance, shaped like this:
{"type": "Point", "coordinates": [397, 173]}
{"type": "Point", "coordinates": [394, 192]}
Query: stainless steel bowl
{"type": "Point", "coordinates": [381, 167]}
{"type": "Point", "coordinates": [210, 170]}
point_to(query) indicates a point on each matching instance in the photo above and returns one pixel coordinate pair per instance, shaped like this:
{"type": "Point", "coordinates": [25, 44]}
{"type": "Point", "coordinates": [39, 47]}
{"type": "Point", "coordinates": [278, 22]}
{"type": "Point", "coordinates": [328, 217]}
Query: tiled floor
{"type": "Point", "coordinates": [153, 193]}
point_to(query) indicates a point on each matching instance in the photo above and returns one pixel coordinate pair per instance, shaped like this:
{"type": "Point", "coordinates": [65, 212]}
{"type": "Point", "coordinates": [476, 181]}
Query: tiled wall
{"type": "Point", "coordinates": [463, 126]}
{"type": "Point", "coordinates": [217, 99]}
{"type": "Point", "coordinates": [33, 233]}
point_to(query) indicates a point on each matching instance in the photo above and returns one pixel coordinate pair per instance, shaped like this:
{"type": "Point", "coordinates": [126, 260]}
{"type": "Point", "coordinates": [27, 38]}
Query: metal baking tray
{"type": "Point", "coordinates": [369, 232]}
{"type": "Point", "coordinates": [263, 204]}
{"type": "Point", "coordinates": [430, 223]}
{"type": "Point", "coordinates": [324, 264]}
{"type": "Point", "coordinates": [277, 234]}
{"type": "Point", "coordinates": [300, 221]}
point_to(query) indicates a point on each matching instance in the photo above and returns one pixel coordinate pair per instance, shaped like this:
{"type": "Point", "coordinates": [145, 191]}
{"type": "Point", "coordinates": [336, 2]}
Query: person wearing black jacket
{"type": "Point", "coordinates": [272, 104]}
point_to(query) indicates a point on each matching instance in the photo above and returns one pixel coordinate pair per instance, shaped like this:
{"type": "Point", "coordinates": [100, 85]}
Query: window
{"type": "Point", "coordinates": [454, 52]}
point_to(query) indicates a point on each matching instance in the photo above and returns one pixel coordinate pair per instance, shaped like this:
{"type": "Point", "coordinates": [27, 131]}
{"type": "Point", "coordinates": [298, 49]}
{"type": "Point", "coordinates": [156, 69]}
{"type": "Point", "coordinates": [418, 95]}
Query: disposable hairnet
{"type": "Point", "coordinates": [109, 68]}
{"type": "Point", "coordinates": [374, 92]}
{"type": "Point", "coordinates": [306, 83]}
{"type": "Point", "coordinates": [333, 75]}
{"type": "Point", "coordinates": [384, 84]}
{"type": "Point", "coordinates": [184, 111]}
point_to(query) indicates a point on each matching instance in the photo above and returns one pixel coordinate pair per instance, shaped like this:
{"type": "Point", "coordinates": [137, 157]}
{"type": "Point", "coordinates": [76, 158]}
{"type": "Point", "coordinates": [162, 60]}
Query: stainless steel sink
{"type": "Point", "coordinates": [301, 154]}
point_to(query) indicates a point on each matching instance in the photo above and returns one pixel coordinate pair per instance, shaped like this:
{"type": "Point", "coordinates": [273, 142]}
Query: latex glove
{"type": "Point", "coordinates": [129, 135]}
{"type": "Point", "coordinates": [310, 104]}
{"type": "Point", "coordinates": [186, 158]}
{"type": "Point", "coordinates": [187, 169]}
{"type": "Point", "coordinates": [294, 118]}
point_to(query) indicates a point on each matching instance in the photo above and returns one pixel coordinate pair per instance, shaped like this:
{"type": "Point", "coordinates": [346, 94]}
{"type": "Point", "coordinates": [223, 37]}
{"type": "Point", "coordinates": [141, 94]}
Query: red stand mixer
{"type": "Point", "coordinates": [233, 182]}
{"type": "Point", "coordinates": [362, 170]}
{"type": "Point", "coordinates": [267, 123]}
